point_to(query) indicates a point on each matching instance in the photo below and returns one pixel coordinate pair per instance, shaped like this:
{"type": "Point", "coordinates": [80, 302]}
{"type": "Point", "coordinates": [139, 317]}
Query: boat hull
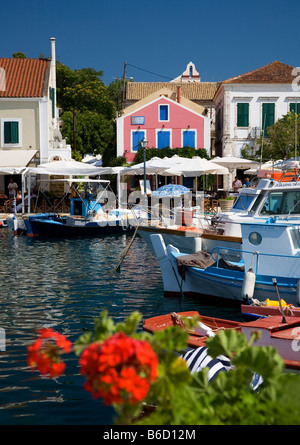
{"type": "Point", "coordinates": [216, 283]}
{"type": "Point", "coordinates": [52, 227]}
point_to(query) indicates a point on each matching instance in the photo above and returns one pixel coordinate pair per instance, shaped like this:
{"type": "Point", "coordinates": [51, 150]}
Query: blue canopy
{"type": "Point", "coordinates": [171, 190]}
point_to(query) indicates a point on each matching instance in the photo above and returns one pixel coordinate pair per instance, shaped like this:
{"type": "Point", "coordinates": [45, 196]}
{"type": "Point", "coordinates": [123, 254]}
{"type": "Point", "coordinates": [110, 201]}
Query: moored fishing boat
{"type": "Point", "coordinates": [91, 213]}
{"type": "Point", "coordinates": [260, 309]}
{"type": "Point", "coordinates": [283, 336]}
{"type": "Point", "coordinates": [269, 250]}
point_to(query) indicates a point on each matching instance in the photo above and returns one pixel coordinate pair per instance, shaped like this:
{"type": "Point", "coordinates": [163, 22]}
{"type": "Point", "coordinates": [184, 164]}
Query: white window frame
{"type": "Point", "coordinates": [164, 105]}
{"type": "Point", "coordinates": [157, 130]}
{"type": "Point", "coordinates": [134, 130]}
{"type": "Point", "coordinates": [189, 129]}
{"type": "Point", "coordinates": [19, 144]}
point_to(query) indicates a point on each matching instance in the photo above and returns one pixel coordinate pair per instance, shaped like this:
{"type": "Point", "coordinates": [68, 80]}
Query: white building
{"type": "Point", "coordinates": [248, 104]}
{"type": "Point", "coordinates": [29, 117]}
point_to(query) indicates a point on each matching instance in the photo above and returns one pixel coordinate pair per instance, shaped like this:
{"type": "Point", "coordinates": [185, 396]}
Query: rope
{"type": "Point", "coordinates": [178, 321]}
{"type": "Point", "coordinates": [125, 251]}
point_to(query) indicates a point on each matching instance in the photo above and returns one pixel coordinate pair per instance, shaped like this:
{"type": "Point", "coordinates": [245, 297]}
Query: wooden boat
{"type": "Point", "coordinates": [274, 332]}
{"type": "Point", "coordinates": [257, 310]}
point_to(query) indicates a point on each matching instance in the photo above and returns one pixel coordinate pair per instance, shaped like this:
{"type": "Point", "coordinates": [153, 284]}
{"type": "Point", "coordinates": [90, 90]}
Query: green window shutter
{"type": "Point", "coordinates": [243, 115]}
{"type": "Point", "coordinates": [52, 97]}
{"type": "Point", "coordinates": [14, 132]}
{"type": "Point", "coordinates": [295, 107]}
{"type": "Point", "coordinates": [11, 132]}
{"type": "Point", "coordinates": [7, 132]}
{"type": "Point", "coordinates": [268, 117]}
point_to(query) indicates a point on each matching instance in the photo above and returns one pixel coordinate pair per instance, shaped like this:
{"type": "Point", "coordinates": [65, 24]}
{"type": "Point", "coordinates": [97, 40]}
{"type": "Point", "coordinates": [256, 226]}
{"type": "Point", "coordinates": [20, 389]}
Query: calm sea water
{"type": "Point", "coordinates": [65, 284]}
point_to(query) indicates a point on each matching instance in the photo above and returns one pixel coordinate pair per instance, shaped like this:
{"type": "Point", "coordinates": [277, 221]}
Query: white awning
{"type": "Point", "coordinates": [15, 158]}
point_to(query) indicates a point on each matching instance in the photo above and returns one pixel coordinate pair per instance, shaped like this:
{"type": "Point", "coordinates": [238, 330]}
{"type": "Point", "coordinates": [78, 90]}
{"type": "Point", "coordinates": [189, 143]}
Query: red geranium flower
{"type": "Point", "coordinates": [119, 370]}
{"type": "Point", "coordinates": [45, 353]}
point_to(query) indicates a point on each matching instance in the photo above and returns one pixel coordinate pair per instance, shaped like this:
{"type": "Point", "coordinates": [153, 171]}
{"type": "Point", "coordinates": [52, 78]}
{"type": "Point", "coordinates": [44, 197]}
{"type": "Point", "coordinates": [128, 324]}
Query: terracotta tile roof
{"type": "Point", "coordinates": [24, 77]}
{"type": "Point", "coordinates": [275, 72]}
{"type": "Point", "coordinates": [192, 91]}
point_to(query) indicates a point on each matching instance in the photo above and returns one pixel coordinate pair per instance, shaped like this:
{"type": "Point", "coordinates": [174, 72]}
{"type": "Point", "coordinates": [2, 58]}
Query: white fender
{"type": "Point", "coordinates": [248, 284]}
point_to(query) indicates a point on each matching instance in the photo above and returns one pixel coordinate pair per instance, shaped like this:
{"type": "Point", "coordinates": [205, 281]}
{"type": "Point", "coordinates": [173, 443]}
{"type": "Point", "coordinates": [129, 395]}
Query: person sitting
{"type": "Point", "coordinates": [247, 182]}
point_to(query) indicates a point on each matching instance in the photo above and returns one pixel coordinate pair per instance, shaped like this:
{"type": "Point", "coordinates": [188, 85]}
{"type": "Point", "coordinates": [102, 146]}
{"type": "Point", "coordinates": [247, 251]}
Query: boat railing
{"type": "Point", "coordinates": [255, 253]}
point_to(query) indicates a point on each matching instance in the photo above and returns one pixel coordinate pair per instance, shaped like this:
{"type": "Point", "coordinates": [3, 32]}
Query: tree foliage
{"type": "Point", "coordinates": [94, 132]}
{"type": "Point", "coordinates": [186, 152]}
{"type": "Point", "coordinates": [282, 139]}
{"type": "Point", "coordinates": [83, 92]}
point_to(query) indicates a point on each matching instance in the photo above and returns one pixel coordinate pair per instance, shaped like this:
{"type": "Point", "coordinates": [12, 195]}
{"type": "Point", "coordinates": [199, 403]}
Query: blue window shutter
{"type": "Point", "coordinates": [163, 139]}
{"type": "Point", "coordinates": [189, 139]}
{"type": "Point", "coordinates": [137, 137]}
{"type": "Point", "coordinates": [163, 112]}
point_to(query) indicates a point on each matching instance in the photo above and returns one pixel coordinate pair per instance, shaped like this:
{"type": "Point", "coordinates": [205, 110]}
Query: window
{"type": "Point", "coordinates": [136, 138]}
{"type": "Point", "coordinates": [295, 107]}
{"type": "Point", "coordinates": [163, 112]}
{"type": "Point", "coordinates": [11, 132]}
{"type": "Point", "coordinates": [163, 139]}
{"type": "Point", "coordinates": [282, 203]}
{"type": "Point", "coordinates": [242, 115]}
{"type": "Point", "coordinates": [268, 117]}
{"type": "Point", "coordinates": [189, 138]}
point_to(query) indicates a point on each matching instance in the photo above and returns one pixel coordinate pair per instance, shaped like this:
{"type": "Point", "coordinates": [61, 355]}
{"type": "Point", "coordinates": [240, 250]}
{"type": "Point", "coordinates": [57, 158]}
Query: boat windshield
{"type": "Point", "coordinates": [244, 202]}
{"type": "Point", "coordinates": [282, 203]}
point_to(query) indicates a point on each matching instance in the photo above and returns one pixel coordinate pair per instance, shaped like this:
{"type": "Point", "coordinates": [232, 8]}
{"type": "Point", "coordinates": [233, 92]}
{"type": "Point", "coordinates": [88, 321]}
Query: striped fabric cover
{"type": "Point", "coordinates": [197, 359]}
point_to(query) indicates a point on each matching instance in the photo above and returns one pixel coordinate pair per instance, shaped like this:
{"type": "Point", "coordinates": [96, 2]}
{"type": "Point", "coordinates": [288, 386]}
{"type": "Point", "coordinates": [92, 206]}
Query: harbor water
{"type": "Point", "coordinates": [65, 284]}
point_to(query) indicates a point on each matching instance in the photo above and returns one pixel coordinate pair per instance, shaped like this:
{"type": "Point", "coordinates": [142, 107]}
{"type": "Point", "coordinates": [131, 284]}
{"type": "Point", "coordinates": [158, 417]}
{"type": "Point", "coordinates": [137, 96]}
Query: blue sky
{"type": "Point", "coordinates": [156, 38]}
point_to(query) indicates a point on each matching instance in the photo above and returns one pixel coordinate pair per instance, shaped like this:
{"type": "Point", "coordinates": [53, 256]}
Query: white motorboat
{"type": "Point", "coordinates": [269, 250]}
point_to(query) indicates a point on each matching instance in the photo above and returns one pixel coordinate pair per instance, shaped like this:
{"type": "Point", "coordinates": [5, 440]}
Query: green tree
{"type": "Point", "coordinates": [94, 132]}
{"type": "Point", "coordinates": [282, 139]}
{"type": "Point", "coordinates": [82, 92]}
{"type": "Point", "coordinates": [19, 55]}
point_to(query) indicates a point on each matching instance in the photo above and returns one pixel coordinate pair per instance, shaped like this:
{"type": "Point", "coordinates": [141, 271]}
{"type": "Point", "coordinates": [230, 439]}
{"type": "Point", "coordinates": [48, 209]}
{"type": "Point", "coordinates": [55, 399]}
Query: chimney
{"type": "Point", "coordinates": [178, 93]}
{"type": "Point", "coordinates": [52, 84]}
{"type": "Point", "coordinates": [53, 60]}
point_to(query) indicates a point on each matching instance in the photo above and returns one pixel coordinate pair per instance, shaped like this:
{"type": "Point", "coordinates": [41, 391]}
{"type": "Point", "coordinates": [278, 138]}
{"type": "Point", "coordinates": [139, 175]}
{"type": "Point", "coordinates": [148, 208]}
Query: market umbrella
{"type": "Point", "coordinates": [67, 167]}
{"type": "Point", "coordinates": [171, 190]}
{"type": "Point", "coordinates": [233, 163]}
{"type": "Point", "coordinates": [196, 167]}
{"type": "Point", "coordinates": [153, 166]}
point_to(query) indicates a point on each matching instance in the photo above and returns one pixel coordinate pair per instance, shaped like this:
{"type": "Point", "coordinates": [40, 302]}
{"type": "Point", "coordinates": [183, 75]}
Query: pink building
{"type": "Point", "coordinates": [165, 119]}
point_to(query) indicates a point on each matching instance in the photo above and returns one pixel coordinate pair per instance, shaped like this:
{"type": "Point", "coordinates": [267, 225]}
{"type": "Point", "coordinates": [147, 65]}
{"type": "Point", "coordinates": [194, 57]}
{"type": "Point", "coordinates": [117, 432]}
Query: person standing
{"type": "Point", "coordinates": [236, 184]}
{"type": "Point", "coordinates": [12, 188]}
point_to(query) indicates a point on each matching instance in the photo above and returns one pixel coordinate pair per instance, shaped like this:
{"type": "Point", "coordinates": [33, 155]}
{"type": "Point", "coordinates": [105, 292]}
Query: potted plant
{"type": "Point", "coordinates": [226, 203]}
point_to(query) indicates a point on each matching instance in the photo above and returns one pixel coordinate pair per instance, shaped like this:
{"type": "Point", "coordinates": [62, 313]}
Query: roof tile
{"type": "Point", "coordinates": [275, 72]}
{"type": "Point", "coordinates": [24, 77]}
{"type": "Point", "coordinates": [192, 91]}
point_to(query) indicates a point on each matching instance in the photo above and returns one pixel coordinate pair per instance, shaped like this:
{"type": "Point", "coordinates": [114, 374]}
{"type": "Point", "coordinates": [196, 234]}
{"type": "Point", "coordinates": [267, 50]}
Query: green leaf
{"type": "Point", "coordinates": [226, 342]}
{"type": "Point", "coordinates": [130, 325]}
